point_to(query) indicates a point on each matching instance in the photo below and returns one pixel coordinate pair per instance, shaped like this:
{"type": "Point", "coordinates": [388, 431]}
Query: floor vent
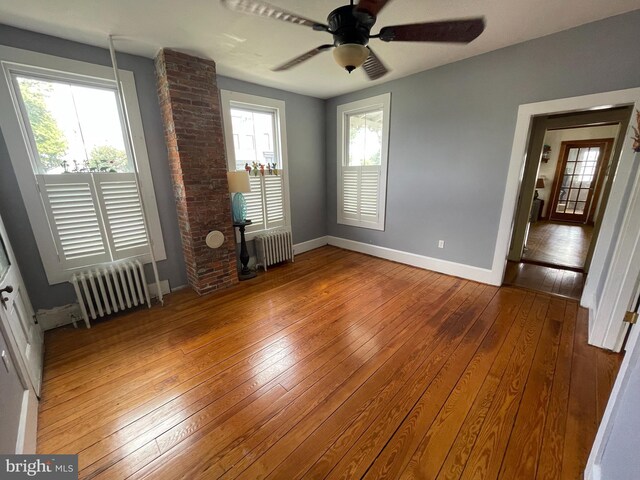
{"type": "Point", "coordinates": [111, 288]}
{"type": "Point", "coordinates": [273, 247]}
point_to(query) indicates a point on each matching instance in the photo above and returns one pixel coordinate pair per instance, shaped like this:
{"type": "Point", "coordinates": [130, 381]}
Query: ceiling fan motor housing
{"type": "Point", "coordinates": [350, 27]}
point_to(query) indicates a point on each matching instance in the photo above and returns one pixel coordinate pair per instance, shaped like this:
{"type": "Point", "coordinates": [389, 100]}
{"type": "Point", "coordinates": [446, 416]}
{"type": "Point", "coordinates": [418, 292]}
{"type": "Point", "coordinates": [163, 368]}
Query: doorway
{"type": "Point", "coordinates": [571, 163]}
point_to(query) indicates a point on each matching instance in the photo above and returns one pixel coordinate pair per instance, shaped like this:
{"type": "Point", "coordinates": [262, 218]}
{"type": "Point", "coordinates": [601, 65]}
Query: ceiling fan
{"type": "Point", "coordinates": [351, 26]}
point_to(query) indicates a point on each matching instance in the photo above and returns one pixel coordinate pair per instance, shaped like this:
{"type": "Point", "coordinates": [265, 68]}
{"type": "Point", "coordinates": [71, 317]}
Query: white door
{"type": "Point", "coordinates": [16, 316]}
{"type": "Point", "coordinates": [614, 455]}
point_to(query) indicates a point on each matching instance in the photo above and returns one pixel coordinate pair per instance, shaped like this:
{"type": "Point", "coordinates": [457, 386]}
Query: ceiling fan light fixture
{"type": "Point", "coordinates": [350, 55]}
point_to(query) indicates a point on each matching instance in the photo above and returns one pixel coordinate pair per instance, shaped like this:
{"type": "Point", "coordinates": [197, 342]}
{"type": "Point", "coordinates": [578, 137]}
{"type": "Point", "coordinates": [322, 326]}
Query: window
{"type": "Point", "coordinates": [363, 138]}
{"type": "Point", "coordinates": [256, 140]}
{"type": "Point", "coordinates": [65, 132]}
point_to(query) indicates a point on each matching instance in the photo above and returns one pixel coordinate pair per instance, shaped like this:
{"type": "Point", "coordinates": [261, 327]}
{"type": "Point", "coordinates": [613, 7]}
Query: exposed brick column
{"type": "Point", "coordinates": [190, 107]}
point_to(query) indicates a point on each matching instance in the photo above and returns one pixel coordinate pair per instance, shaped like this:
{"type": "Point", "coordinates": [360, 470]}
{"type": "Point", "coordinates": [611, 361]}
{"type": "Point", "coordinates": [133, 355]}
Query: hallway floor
{"type": "Point", "coordinates": [561, 244]}
{"type": "Point", "coordinates": [540, 278]}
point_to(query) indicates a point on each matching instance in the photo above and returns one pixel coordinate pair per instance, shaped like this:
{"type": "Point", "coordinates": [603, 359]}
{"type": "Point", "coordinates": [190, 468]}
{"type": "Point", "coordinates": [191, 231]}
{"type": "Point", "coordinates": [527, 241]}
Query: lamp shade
{"type": "Point", "coordinates": [350, 55]}
{"type": "Point", "coordinates": [540, 182]}
{"type": "Point", "coordinates": [239, 182]}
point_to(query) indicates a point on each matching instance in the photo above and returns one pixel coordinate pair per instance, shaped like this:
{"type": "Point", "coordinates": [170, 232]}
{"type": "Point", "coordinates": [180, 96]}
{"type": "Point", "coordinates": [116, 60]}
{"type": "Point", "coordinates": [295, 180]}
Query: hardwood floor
{"type": "Point", "coordinates": [559, 244]}
{"type": "Point", "coordinates": [338, 366]}
{"type": "Point", "coordinates": [557, 281]}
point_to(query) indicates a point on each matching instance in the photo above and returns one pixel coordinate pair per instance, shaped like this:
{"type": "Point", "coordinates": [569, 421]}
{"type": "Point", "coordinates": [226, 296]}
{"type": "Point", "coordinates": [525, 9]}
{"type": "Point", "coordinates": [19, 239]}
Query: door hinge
{"type": "Point", "coordinates": [631, 317]}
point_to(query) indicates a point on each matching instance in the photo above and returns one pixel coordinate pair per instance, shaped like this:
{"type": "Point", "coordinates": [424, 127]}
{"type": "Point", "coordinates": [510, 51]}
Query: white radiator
{"type": "Point", "coordinates": [110, 288]}
{"type": "Point", "coordinates": [273, 247]}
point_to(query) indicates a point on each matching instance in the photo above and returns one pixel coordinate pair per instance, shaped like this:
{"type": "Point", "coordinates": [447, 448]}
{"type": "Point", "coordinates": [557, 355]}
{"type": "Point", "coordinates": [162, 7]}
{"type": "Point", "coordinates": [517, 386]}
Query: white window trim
{"type": "Point", "coordinates": [13, 129]}
{"type": "Point", "coordinates": [380, 101]}
{"type": "Point", "coordinates": [254, 101]}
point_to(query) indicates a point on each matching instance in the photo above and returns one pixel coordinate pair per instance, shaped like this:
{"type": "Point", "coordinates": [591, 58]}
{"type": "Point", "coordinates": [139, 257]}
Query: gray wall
{"type": "Point", "coordinates": [305, 128]}
{"type": "Point", "coordinates": [452, 130]}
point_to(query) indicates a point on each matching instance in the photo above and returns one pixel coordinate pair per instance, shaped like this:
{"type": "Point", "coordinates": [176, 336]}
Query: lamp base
{"type": "Point", "coordinates": [239, 208]}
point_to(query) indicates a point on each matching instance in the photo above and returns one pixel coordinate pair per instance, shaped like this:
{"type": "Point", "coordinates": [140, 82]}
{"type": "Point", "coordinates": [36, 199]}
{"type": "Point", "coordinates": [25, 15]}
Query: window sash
{"type": "Point", "coordinates": [17, 137]}
{"type": "Point", "coordinates": [361, 190]}
{"type": "Point", "coordinates": [268, 203]}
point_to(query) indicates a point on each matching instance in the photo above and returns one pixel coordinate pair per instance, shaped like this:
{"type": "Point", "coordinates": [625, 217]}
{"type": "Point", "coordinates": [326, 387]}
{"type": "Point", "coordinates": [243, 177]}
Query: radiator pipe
{"type": "Point", "coordinates": [129, 140]}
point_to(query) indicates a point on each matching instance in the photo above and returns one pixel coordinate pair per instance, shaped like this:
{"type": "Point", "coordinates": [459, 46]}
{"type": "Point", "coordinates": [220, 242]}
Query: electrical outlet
{"type": "Point", "coordinates": [440, 243]}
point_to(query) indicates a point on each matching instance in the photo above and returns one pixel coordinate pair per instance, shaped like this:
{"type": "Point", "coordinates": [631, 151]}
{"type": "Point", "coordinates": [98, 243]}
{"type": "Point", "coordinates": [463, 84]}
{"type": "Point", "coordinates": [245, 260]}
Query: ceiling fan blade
{"type": "Point", "coordinates": [459, 31]}
{"type": "Point", "coordinates": [373, 67]}
{"type": "Point", "coordinates": [302, 58]}
{"type": "Point", "coordinates": [372, 7]}
{"type": "Point", "coordinates": [264, 9]}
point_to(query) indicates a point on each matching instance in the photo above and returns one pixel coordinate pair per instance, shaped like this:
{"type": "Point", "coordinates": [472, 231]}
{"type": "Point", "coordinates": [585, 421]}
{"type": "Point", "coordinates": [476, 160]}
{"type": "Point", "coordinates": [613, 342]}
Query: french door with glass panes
{"type": "Point", "coordinates": [578, 179]}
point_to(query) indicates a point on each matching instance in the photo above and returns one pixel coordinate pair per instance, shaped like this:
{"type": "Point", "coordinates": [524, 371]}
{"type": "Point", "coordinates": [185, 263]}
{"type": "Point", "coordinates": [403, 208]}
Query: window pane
{"type": "Point", "coordinates": [255, 131]}
{"type": "Point", "coordinates": [365, 138]}
{"type": "Point", "coordinates": [76, 128]}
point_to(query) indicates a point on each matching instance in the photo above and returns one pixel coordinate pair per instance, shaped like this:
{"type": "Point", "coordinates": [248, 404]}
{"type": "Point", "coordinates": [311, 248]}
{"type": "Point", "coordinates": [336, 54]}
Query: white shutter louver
{"type": "Point", "coordinates": [70, 202]}
{"type": "Point", "coordinates": [121, 207]}
{"type": "Point", "coordinates": [255, 211]}
{"type": "Point", "coordinates": [350, 189]}
{"type": "Point", "coordinates": [369, 193]}
{"type": "Point", "coordinates": [274, 200]}
{"type": "Point", "coordinates": [361, 193]}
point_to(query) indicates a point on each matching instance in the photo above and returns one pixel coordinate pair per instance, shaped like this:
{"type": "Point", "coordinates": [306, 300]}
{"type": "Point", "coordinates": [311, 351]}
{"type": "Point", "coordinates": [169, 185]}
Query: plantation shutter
{"type": "Point", "coordinates": [255, 207]}
{"type": "Point", "coordinates": [122, 211]}
{"type": "Point", "coordinates": [360, 188]}
{"type": "Point", "coordinates": [71, 205]}
{"type": "Point", "coordinates": [94, 217]}
{"type": "Point", "coordinates": [265, 203]}
{"type": "Point", "coordinates": [274, 200]}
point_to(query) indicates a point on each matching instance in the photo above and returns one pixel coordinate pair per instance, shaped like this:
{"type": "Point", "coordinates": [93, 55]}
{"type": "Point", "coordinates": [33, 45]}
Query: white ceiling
{"type": "Point", "coordinates": [247, 47]}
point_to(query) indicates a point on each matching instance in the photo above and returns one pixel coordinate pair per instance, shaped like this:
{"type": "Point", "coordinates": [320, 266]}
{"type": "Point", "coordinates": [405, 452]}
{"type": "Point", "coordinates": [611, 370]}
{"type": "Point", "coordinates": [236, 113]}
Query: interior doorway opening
{"type": "Point", "coordinates": [570, 167]}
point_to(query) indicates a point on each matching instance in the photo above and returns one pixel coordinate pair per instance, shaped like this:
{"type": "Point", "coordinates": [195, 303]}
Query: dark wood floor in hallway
{"type": "Point", "coordinates": [338, 366]}
{"type": "Point", "coordinates": [558, 244]}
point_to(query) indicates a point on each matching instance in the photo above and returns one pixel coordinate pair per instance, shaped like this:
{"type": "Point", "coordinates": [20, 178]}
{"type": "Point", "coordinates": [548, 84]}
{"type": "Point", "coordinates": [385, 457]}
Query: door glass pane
{"type": "Point", "coordinates": [74, 128]}
{"type": "Point", "coordinates": [570, 207]}
{"type": "Point", "coordinates": [573, 194]}
{"type": "Point", "coordinates": [569, 168]}
{"type": "Point", "coordinates": [573, 155]}
{"type": "Point", "coordinates": [4, 260]}
{"type": "Point", "coordinates": [583, 195]}
{"type": "Point", "coordinates": [579, 208]}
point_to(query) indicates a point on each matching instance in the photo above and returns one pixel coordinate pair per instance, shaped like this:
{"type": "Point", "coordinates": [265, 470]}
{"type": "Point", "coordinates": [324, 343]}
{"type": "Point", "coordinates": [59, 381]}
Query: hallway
{"type": "Point", "coordinates": [558, 244]}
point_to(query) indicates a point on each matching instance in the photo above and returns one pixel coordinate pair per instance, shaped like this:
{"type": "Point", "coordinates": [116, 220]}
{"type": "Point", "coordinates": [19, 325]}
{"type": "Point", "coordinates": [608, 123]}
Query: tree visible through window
{"type": "Point", "coordinates": [75, 128]}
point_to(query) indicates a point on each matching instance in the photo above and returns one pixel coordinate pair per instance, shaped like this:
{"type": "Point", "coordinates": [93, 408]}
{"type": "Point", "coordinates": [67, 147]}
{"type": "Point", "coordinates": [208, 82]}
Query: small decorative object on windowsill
{"type": "Point", "coordinates": [636, 137]}
{"type": "Point", "coordinates": [239, 184]}
{"type": "Point", "coordinates": [539, 184]}
{"type": "Point", "coordinates": [546, 153]}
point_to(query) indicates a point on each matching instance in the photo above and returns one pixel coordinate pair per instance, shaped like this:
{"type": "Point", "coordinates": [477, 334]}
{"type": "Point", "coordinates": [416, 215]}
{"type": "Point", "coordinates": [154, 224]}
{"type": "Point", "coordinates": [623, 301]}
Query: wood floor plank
{"type": "Point", "coordinates": [486, 457]}
{"type": "Point", "coordinates": [550, 462]}
{"type": "Point", "coordinates": [327, 395]}
{"type": "Point", "coordinates": [522, 453]}
{"type": "Point", "coordinates": [458, 455]}
{"type": "Point", "coordinates": [340, 365]}
{"type": "Point", "coordinates": [582, 417]}
{"type": "Point", "coordinates": [413, 443]}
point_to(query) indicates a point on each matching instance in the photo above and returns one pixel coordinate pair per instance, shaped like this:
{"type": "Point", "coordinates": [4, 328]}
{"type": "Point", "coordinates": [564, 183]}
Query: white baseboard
{"type": "Point", "coordinates": [59, 316]}
{"type": "Point", "coordinates": [65, 315]}
{"type": "Point", "coordinates": [299, 248]}
{"type": "Point", "coordinates": [28, 426]}
{"type": "Point", "coordinates": [482, 275]}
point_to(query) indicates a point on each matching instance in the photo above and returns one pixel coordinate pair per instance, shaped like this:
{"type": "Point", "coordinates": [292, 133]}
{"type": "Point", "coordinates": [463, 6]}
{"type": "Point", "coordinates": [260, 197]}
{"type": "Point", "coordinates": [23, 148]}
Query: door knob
{"type": "Point", "coordinates": [8, 289]}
